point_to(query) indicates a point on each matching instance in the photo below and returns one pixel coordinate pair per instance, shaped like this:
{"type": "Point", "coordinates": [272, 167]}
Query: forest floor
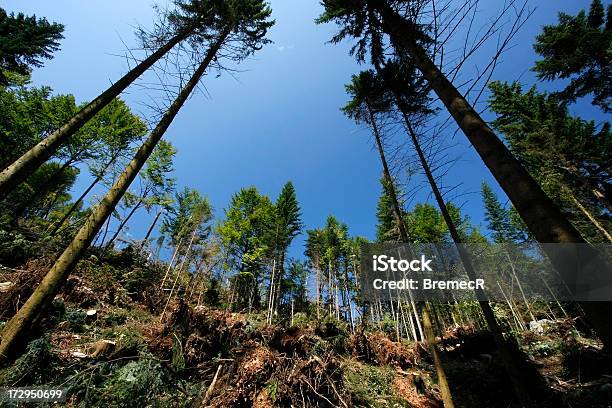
{"type": "Point", "coordinates": [103, 341]}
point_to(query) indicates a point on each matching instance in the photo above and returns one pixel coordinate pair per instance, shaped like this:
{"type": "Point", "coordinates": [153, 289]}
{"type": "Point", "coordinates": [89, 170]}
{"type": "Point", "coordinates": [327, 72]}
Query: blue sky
{"type": "Point", "coordinates": [280, 119]}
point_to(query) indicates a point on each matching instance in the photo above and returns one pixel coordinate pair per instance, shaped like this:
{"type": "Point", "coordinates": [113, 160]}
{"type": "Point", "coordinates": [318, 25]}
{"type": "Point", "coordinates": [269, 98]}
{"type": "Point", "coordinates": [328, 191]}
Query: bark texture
{"type": "Point", "coordinates": [20, 324]}
{"type": "Point", "coordinates": [543, 218]}
{"type": "Point", "coordinates": [23, 167]}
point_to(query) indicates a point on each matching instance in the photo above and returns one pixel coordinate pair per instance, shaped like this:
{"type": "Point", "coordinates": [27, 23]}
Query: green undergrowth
{"type": "Point", "coordinates": [372, 386]}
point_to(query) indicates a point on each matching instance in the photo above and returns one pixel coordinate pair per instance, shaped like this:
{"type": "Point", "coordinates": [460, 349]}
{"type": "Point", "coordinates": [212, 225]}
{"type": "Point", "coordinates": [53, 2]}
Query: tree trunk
{"type": "Point", "coordinates": [590, 217]}
{"type": "Point", "coordinates": [23, 167]}
{"type": "Point", "coordinates": [178, 274]}
{"type": "Point", "coordinates": [318, 289]}
{"type": "Point", "coordinates": [81, 198]}
{"type": "Point", "coordinates": [444, 389]}
{"type": "Point", "coordinates": [442, 381]}
{"type": "Point", "coordinates": [544, 220]}
{"type": "Point", "coordinates": [74, 206]}
{"type": "Point", "coordinates": [397, 212]}
{"type": "Point", "coordinates": [279, 279]}
{"type": "Point", "coordinates": [510, 364]}
{"type": "Point", "coordinates": [271, 292]}
{"type": "Point", "coordinates": [122, 224]}
{"type": "Point", "coordinates": [538, 211]}
{"type": "Point", "coordinates": [150, 230]}
{"type": "Point", "coordinates": [20, 324]}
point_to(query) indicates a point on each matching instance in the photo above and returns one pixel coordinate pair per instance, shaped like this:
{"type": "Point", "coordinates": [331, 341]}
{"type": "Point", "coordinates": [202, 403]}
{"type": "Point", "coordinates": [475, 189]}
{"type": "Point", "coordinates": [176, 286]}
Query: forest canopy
{"type": "Point", "coordinates": [193, 232]}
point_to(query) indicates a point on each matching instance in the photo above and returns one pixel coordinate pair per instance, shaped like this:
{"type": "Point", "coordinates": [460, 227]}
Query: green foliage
{"type": "Point", "coordinates": [367, 97]}
{"type": "Point", "coordinates": [364, 22]}
{"type": "Point", "coordinates": [243, 285]}
{"type": "Point", "coordinates": [134, 384]}
{"type": "Point", "coordinates": [371, 386]}
{"type": "Point", "coordinates": [156, 185]}
{"type": "Point", "coordinates": [578, 49]}
{"type": "Point", "coordinates": [33, 367]}
{"type": "Point", "coordinates": [191, 213]}
{"type": "Point", "coordinates": [27, 115]}
{"type": "Point", "coordinates": [15, 248]}
{"type": "Point", "coordinates": [76, 318]}
{"type": "Point", "coordinates": [138, 280]}
{"type": "Point", "coordinates": [247, 231]}
{"type": "Point", "coordinates": [566, 155]}
{"type": "Point", "coordinates": [30, 114]}
{"type": "Point", "coordinates": [119, 274]}
{"type": "Point", "coordinates": [335, 239]}
{"type": "Point", "coordinates": [45, 191]}
{"type": "Point", "coordinates": [288, 222]}
{"type": "Point", "coordinates": [408, 90]}
{"type": "Point", "coordinates": [178, 358]}
{"type": "Point", "coordinates": [301, 320]}
{"type": "Point", "coordinates": [335, 333]}
{"type": "Point", "coordinates": [426, 224]}
{"type": "Point", "coordinates": [114, 319]}
{"type": "Point", "coordinates": [109, 135]}
{"type": "Point", "coordinates": [335, 258]}
{"type": "Point", "coordinates": [116, 127]}
{"type": "Point", "coordinates": [387, 325]}
{"type": "Point", "coordinates": [505, 224]}
{"type": "Point", "coordinates": [386, 227]}
{"type": "Point", "coordinates": [272, 389]}
{"type": "Point", "coordinates": [129, 341]}
{"type": "Point", "coordinates": [295, 285]}
{"type": "Point", "coordinates": [545, 348]}
{"type": "Point", "coordinates": [156, 176]}
{"type": "Point", "coordinates": [25, 41]}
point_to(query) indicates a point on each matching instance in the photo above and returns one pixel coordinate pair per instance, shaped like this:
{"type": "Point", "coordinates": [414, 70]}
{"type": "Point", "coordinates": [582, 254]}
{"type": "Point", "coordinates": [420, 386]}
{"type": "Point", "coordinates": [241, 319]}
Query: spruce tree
{"type": "Point", "coordinates": [244, 22]}
{"type": "Point", "coordinates": [568, 156]}
{"type": "Point", "coordinates": [386, 227]}
{"type": "Point", "coordinates": [287, 226]}
{"type": "Point", "coordinates": [500, 221]}
{"type": "Point", "coordinates": [24, 42]}
{"type": "Point", "coordinates": [370, 22]}
{"type": "Point", "coordinates": [577, 49]}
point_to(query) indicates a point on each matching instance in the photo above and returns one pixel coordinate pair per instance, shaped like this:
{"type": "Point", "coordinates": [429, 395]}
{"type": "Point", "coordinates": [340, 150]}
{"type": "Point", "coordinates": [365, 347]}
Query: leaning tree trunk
{"type": "Point", "coordinates": [109, 245]}
{"type": "Point", "coordinates": [442, 380]}
{"type": "Point", "coordinates": [51, 185]}
{"type": "Point", "coordinates": [431, 343]}
{"type": "Point", "coordinates": [543, 219]}
{"type": "Point", "coordinates": [506, 354]}
{"type": "Point", "coordinates": [397, 212]}
{"type": "Point", "coordinates": [20, 324]}
{"type": "Point", "coordinates": [538, 211]}
{"type": "Point", "coordinates": [23, 167]}
{"type": "Point", "coordinates": [75, 205]}
{"type": "Point", "coordinates": [150, 230]}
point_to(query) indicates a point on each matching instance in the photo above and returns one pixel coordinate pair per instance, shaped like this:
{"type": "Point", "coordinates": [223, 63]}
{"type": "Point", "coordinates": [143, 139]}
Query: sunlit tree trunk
{"type": "Point", "coordinates": [24, 166]}
{"type": "Point", "coordinates": [591, 218]}
{"type": "Point", "coordinates": [51, 284]}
